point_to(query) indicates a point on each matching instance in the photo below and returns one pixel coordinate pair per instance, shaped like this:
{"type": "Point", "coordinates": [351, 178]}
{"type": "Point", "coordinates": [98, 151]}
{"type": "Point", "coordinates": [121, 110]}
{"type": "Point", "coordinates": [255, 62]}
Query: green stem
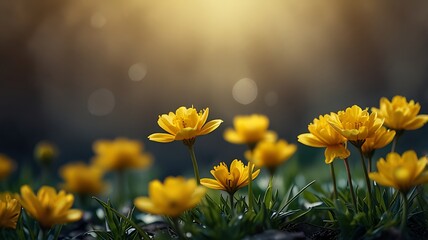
{"type": "Point", "coordinates": [366, 175]}
{"type": "Point", "coordinates": [44, 233]}
{"type": "Point", "coordinates": [404, 216]}
{"type": "Point", "coordinates": [194, 162]}
{"type": "Point", "coordinates": [121, 188]}
{"type": "Point", "coordinates": [351, 188]}
{"type": "Point", "coordinates": [177, 228]}
{"type": "Point", "coordinates": [398, 134]}
{"type": "Point", "coordinates": [232, 207]}
{"type": "Point", "coordinates": [333, 176]}
{"type": "Point", "coordinates": [251, 146]}
{"type": "Point", "coordinates": [250, 186]}
{"type": "Point", "coordinates": [268, 198]}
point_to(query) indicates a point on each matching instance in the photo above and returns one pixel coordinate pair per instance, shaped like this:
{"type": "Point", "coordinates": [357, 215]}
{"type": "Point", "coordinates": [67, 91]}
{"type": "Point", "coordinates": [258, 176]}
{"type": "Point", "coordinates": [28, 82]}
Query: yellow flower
{"type": "Point", "coordinates": [381, 138]}
{"type": "Point", "coordinates": [184, 124]}
{"type": "Point", "coordinates": [83, 179]}
{"type": "Point", "coordinates": [120, 154]}
{"type": "Point", "coordinates": [400, 114]}
{"type": "Point", "coordinates": [321, 134]}
{"type": "Point", "coordinates": [249, 129]}
{"type": "Point", "coordinates": [229, 181]}
{"type": "Point", "coordinates": [49, 207]}
{"type": "Point", "coordinates": [6, 166]}
{"type": "Point", "coordinates": [271, 154]}
{"type": "Point", "coordinates": [172, 198]}
{"type": "Point", "coordinates": [45, 152]}
{"type": "Point", "coordinates": [356, 124]}
{"type": "Point", "coordinates": [401, 172]}
{"type": "Point", "coordinates": [9, 211]}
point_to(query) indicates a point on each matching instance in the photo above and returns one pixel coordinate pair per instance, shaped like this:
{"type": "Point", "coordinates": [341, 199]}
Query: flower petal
{"type": "Point", "coordinates": [210, 126]}
{"type": "Point", "coordinates": [162, 137]}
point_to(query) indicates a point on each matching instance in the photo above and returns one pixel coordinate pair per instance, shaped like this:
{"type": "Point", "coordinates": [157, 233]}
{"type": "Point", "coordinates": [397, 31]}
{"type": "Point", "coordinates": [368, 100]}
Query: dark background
{"type": "Point", "coordinates": [68, 73]}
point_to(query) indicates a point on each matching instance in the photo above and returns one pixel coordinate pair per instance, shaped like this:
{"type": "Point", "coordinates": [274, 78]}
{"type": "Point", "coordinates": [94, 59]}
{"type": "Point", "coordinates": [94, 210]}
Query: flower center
{"type": "Point", "coordinates": [402, 174]}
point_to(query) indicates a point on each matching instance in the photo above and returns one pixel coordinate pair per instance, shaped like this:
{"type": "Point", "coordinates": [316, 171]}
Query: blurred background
{"type": "Point", "coordinates": [74, 71]}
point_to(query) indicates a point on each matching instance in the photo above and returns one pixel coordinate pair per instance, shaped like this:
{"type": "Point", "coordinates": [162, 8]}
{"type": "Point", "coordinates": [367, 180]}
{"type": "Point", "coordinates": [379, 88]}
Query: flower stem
{"type": "Point", "coordinates": [398, 134]}
{"type": "Point", "coordinates": [232, 207]}
{"type": "Point", "coordinates": [351, 188]}
{"type": "Point", "coordinates": [177, 228]}
{"type": "Point", "coordinates": [333, 176]}
{"type": "Point", "coordinates": [404, 216]}
{"type": "Point", "coordinates": [250, 186]}
{"type": "Point", "coordinates": [121, 188]}
{"type": "Point", "coordinates": [268, 194]}
{"type": "Point", "coordinates": [194, 162]}
{"type": "Point", "coordinates": [366, 175]}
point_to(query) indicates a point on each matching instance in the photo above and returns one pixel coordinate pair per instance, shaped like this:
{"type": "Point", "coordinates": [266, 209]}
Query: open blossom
{"type": "Point", "coordinates": [356, 124]}
{"type": "Point", "coordinates": [9, 211]}
{"type": "Point", "coordinates": [322, 134]}
{"type": "Point", "coordinates": [249, 129]}
{"type": "Point", "coordinates": [184, 124]}
{"type": "Point", "coordinates": [6, 166]}
{"type": "Point", "coordinates": [120, 154]}
{"type": "Point", "coordinates": [229, 180]}
{"type": "Point", "coordinates": [400, 114]}
{"type": "Point", "coordinates": [271, 154]}
{"type": "Point", "coordinates": [49, 207]}
{"type": "Point", "coordinates": [83, 179]}
{"type": "Point", "coordinates": [401, 172]}
{"type": "Point", "coordinates": [381, 138]}
{"type": "Point", "coordinates": [171, 198]}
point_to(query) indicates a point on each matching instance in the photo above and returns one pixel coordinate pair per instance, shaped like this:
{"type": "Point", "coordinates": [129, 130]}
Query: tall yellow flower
{"type": "Point", "coordinates": [9, 211]}
{"type": "Point", "coordinates": [6, 166]}
{"type": "Point", "coordinates": [322, 134]}
{"type": "Point", "coordinates": [83, 179]}
{"type": "Point", "coordinates": [400, 114]}
{"type": "Point", "coordinates": [120, 154]}
{"type": "Point", "coordinates": [229, 181]}
{"type": "Point", "coordinates": [249, 129]}
{"type": "Point", "coordinates": [271, 154]}
{"type": "Point", "coordinates": [49, 207]}
{"type": "Point", "coordinates": [184, 124]}
{"type": "Point", "coordinates": [381, 138]}
{"type": "Point", "coordinates": [172, 198]}
{"type": "Point", "coordinates": [356, 124]}
{"type": "Point", "coordinates": [401, 172]}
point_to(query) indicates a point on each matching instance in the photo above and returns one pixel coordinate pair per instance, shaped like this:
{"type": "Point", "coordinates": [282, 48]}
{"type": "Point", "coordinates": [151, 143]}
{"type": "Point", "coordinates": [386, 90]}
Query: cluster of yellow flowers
{"type": "Point", "coordinates": [50, 207]}
{"type": "Point", "coordinates": [177, 195]}
{"type": "Point", "coordinates": [367, 132]}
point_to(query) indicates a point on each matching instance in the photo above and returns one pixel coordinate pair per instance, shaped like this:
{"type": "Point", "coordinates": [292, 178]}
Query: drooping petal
{"type": "Point", "coordinates": [335, 151]}
{"type": "Point", "coordinates": [146, 205]}
{"type": "Point", "coordinates": [232, 136]}
{"type": "Point", "coordinates": [211, 183]}
{"type": "Point", "coordinates": [162, 137]}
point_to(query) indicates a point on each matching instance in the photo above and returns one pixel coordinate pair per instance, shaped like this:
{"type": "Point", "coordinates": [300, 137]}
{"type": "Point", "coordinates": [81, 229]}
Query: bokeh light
{"type": "Point", "coordinates": [98, 20]}
{"type": "Point", "coordinates": [137, 72]}
{"type": "Point", "coordinates": [245, 91]}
